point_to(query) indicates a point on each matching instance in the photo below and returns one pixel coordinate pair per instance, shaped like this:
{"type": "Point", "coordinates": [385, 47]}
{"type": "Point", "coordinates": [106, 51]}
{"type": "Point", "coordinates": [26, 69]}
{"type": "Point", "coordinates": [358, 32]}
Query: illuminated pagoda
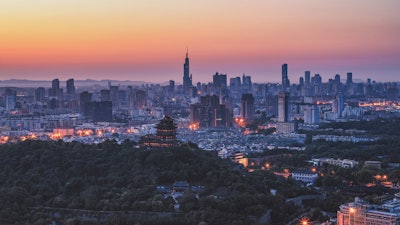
{"type": "Point", "coordinates": [165, 135]}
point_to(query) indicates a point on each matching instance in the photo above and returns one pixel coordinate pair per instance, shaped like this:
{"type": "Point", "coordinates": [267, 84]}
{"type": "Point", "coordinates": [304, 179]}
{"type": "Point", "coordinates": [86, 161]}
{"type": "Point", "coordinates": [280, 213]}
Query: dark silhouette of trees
{"type": "Point", "coordinates": [39, 179]}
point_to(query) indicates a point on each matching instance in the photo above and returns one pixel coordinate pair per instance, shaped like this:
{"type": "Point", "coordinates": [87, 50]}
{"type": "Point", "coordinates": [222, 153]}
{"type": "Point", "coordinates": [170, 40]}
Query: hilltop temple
{"type": "Point", "coordinates": [165, 136]}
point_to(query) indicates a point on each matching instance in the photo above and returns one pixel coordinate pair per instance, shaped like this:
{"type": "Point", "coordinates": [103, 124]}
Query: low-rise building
{"type": "Point", "coordinates": [344, 163]}
{"type": "Point", "coordinates": [360, 212]}
{"type": "Point", "coordinates": [304, 176]}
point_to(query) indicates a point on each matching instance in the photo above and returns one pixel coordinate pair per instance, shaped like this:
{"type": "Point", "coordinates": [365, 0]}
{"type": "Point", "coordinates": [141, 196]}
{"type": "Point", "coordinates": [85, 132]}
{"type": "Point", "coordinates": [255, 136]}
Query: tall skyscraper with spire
{"type": "Point", "coordinates": [187, 77]}
{"type": "Point", "coordinates": [285, 79]}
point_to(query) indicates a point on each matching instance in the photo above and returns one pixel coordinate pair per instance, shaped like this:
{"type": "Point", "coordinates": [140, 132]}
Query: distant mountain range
{"type": "Point", "coordinates": [78, 83]}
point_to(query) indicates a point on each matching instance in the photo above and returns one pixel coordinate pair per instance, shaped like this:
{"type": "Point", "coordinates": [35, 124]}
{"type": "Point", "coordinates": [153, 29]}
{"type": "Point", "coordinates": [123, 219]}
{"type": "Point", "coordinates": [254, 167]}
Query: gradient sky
{"type": "Point", "coordinates": [146, 40]}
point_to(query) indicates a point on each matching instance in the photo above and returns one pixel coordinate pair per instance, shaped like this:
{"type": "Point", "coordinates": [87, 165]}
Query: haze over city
{"type": "Point", "coordinates": [147, 40]}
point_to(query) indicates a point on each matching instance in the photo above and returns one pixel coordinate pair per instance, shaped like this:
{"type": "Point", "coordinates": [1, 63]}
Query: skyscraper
{"type": "Point", "coordinates": [337, 84]}
{"type": "Point", "coordinates": [219, 80]}
{"type": "Point", "coordinates": [283, 106]}
{"type": "Point", "coordinates": [70, 95]}
{"type": "Point", "coordinates": [247, 85]}
{"type": "Point", "coordinates": [70, 87]}
{"type": "Point", "coordinates": [84, 98]}
{"type": "Point", "coordinates": [55, 88]}
{"type": "Point", "coordinates": [55, 94]}
{"type": "Point", "coordinates": [247, 107]}
{"type": "Point", "coordinates": [187, 77]}
{"type": "Point", "coordinates": [349, 80]}
{"type": "Point", "coordinates": [55, 84]}
{"type": "Point", "coordinates": [301, 81]}
{"type": "Point", "coordinates": [171, 87]}
{"type": "Point", "coordinates": [39, 94]}
{"type": "Point", "coordinates": [307, 78]}
{"type": "Point", "coordinates": [285, 79]}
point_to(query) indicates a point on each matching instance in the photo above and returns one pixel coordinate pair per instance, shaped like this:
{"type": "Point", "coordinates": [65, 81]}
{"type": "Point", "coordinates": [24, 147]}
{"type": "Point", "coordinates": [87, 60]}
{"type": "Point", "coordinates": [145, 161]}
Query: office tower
{"type": "Point", "coordinates": [187, 77]}
{"type": "Point", "coordinates": [247, 107]}
{"type": "Point", "coordinates": [337, 84]}
{"type": "Point", "coordinates": [285, 79]}
{"type": "Point", "coordinates": [84, 98]}
{"type": "Point", "coordinates": [219, 80]}
{"type": "Point", "coordinates": [301, 81]}
{"type": "Point", "coordinates": [10, 99]}
{"type": "Point", "coordinates": [40, 94]}
{"type": "Point", "coordinates": [247, 85]}
{"type": "Point", "coordinates": [70, 87]}
{"type": "Point", "coordinates": [349, 84]}
{"type": "Point", "coordinates": [316, 83]}
{"type": "Point", "coordinates": [307, 78]}
{"type": "Point", "coordinates": [55, 94]}
{"type": "Point", "coordinates": [55, 87]}
{"type": "Point", "coordinates": [349, 80]}
{"type": "Point", "coordinates": [283, 106]}
{"type": "Point", "coordinates": [171, 87]}
{"type": "Point", "coordinates": [71, 102]}
{"type": "Point", "coordinates": [235, 86]}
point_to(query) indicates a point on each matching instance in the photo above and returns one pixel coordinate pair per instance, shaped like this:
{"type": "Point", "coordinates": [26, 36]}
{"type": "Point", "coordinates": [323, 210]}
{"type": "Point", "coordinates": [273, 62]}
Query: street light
{"type": "Point", "coordinates": [304, 221]}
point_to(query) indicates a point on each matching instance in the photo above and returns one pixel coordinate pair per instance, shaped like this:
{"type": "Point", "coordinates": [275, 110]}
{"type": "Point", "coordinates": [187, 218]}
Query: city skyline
{"type": "Point", "coordinates": [147, 40]}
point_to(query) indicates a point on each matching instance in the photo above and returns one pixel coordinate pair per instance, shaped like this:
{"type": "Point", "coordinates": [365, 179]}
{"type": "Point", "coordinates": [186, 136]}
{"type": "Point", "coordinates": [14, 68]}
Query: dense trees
{"type": "Point", "coordinates": [112, 177]}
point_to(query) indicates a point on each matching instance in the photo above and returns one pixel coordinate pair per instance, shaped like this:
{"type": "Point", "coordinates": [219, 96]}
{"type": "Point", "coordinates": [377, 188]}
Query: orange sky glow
{"type": "Point", "coordinates": [146, 39]}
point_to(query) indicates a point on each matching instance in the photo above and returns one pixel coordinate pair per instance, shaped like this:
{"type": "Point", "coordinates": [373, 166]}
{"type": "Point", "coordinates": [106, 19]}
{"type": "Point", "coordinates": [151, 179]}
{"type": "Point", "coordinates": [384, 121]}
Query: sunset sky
{"type": "Point", "coordinates": [146, 40]}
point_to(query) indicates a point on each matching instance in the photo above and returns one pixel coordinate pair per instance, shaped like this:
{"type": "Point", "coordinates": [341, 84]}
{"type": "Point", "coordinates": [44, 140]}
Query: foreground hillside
{"type": "Point", "coordinates": [73, 183]}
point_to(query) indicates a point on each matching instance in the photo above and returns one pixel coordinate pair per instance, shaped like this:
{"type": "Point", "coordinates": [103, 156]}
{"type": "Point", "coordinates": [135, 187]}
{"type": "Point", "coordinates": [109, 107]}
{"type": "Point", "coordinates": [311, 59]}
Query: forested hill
{"type": "Point", "coordinates": [111, 177]}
